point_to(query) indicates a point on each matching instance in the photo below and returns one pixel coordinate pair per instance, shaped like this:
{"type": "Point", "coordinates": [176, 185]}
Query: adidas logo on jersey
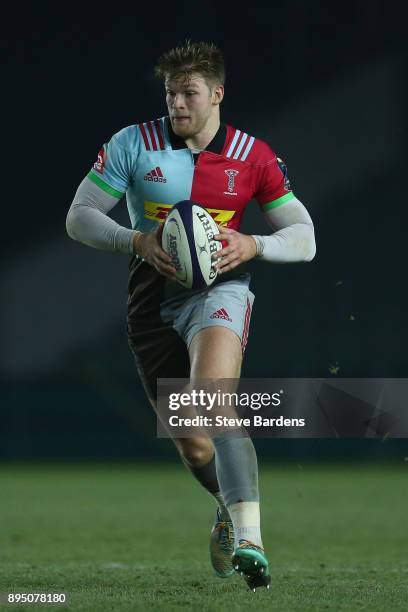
{"type": "Point", "coordinates": [155, 175]}
{"type": "Point", "coordinates": [221, 314]}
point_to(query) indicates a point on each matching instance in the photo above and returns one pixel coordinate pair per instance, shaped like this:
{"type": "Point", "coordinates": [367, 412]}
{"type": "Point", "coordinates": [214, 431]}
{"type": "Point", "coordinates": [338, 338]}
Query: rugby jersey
{"type": "Point", "coordinates": [155, 169]}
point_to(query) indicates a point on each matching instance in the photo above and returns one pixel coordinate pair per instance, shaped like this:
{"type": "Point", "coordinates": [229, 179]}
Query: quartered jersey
{"type": "Point", "coordinates": [155, 169]}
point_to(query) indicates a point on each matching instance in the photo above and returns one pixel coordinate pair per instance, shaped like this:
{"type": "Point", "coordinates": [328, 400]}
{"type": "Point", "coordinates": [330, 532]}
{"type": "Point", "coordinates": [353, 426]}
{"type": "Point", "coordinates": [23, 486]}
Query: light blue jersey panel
{"type": "Point", "coordinates": [116, 160]}
{"type": "Point", "coordinates": [153, 180]}
{"type": "Point", "coordinates": [161, 179]}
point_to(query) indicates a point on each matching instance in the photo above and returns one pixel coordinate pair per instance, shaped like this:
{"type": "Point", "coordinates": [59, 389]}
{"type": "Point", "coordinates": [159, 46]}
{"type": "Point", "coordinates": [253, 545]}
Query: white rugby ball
{"type": "Point", "coordinates": [188, 237]}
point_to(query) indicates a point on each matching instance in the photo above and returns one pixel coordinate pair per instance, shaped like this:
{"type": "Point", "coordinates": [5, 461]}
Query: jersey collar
{"type": "Point", "coordinates": [215, 146]}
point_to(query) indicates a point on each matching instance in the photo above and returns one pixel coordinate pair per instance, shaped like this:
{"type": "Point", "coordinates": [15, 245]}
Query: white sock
{"type": "Point", "coordinates": [246, 520]}
{"type": "Point", "coordinates": [223, 508]}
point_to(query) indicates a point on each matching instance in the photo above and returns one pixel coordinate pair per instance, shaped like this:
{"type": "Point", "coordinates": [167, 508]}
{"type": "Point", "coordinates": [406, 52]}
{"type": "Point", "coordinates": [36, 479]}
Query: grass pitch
{"type": "Point", "coordinates": [135, 537]}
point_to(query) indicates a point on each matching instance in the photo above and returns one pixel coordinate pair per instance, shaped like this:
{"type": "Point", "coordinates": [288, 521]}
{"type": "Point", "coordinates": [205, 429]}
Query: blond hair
{"type": "Point", "coordinates": [198, 57]}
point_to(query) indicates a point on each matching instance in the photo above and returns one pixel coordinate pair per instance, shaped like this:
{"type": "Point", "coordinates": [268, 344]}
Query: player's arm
{"type": "Point", "coordinates": [293, 239]}
{"type": "Point", "coordinates": [88, 221]}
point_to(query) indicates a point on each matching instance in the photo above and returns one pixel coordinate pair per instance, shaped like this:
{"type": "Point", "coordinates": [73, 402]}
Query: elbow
{"type": "Point", "coordinates": [70, 225]}
{"type": "Point", "coordinates": [311, 250]}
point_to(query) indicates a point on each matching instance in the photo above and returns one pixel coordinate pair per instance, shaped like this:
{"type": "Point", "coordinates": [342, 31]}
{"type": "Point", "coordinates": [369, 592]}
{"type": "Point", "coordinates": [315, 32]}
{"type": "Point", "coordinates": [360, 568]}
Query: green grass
{"type": "Point", "coordinates": [135, 537]}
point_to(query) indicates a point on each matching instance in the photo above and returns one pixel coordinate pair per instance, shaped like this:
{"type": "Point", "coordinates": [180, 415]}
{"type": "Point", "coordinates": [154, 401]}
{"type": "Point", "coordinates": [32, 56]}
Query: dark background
{"type": "Point", "coordinates": [324, 84]}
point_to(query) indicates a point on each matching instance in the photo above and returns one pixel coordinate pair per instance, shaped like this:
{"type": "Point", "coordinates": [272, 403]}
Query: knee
{"type": "Point", "coordinates": [196, 452]}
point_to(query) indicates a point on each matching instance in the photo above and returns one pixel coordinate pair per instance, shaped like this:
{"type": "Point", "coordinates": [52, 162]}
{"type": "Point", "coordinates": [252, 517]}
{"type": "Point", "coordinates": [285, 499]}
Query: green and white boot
{"type": "Point", "coordinates": [250, 561]}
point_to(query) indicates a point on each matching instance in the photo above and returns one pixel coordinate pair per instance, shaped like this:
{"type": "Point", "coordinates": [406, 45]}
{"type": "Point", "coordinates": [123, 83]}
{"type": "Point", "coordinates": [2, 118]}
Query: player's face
{"type": "Point", "coordinates": [191, 104]}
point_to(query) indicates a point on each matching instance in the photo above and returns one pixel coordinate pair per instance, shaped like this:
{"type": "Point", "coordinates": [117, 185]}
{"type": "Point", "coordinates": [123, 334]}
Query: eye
{"type": "Point", "coordinates": [190, 93]}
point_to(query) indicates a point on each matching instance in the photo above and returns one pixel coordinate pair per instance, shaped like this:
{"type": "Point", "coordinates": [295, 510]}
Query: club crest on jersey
{"type": "Point", "coordinates": [99, 165]}
{"type": "Point", "coordinates": [231, 174]}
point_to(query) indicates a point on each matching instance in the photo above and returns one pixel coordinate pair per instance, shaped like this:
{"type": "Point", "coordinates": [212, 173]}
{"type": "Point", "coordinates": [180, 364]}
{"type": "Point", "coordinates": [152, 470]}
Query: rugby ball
{"type": "Point", "coordinates": [188, 237]}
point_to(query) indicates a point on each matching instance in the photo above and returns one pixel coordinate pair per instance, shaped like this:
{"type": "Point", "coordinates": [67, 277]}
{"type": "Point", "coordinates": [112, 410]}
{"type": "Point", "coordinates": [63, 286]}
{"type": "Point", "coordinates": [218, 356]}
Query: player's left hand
{"type": "Point", "coordinates": [239, 248]}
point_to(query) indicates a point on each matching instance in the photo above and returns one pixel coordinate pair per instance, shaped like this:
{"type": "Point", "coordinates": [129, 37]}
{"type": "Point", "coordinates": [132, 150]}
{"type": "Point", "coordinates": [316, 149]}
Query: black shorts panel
{"type": "Point", "coordinates": [159, 353]}
{"type": "Point", "coordinates": [158, 350]}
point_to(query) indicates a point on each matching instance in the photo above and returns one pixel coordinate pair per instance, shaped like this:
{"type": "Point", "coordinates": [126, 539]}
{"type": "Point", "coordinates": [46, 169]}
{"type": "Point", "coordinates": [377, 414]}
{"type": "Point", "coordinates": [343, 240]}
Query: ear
{"type": "Point", "coordinates": [218, 94]}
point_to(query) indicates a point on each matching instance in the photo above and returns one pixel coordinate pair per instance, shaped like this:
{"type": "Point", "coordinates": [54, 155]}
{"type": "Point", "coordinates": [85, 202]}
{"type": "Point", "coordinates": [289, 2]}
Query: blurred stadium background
{"type": "Point", "coordinates": [325, 84]}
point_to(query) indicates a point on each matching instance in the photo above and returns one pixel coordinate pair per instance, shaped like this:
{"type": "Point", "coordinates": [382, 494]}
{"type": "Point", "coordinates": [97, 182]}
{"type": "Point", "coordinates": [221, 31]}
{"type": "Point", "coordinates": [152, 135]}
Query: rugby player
{"type": "Point", "coordinates": [173, 332]}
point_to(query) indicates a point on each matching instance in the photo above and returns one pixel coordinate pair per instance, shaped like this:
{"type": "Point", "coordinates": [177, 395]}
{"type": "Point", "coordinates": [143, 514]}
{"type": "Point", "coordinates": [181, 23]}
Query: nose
{"type": "Point", "coordinates": [178, 101]}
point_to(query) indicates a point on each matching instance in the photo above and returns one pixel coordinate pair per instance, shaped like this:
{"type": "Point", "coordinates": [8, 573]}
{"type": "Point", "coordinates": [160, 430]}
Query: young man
{"type": "Point", "coordinates": [175, 333]}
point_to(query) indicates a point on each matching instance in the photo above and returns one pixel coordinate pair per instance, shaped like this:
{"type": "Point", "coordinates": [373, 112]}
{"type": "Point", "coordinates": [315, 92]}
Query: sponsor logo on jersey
{"type": "Point", "coordinates": [231, 174]}
{"type": "Point", "coordinates": [221, 314]}
{"type": "Point", "coordinates": [156, 211]}
{"type": "Point", "coordinates": [155, 176]}
{"type": "Point", "coordinates": [282, 166]}
{"type": "Point", "coordinates": [99, 165]}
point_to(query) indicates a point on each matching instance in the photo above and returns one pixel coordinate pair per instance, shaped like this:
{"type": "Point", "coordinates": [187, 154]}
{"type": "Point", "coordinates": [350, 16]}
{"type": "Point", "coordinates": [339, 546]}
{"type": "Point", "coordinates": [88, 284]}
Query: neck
{"type": "Point", "coordinates": [203, 138]}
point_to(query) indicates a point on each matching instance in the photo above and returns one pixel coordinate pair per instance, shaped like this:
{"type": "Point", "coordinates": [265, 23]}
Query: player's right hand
{"type": "Point", "coordinates": [148, 247]}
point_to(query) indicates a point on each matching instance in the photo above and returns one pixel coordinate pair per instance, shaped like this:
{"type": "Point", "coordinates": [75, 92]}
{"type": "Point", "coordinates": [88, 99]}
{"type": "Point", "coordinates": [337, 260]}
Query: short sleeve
{"type": "Point", "coordinates": [273, 187]}
{"type": "Point", "coordinates": [112, 169]}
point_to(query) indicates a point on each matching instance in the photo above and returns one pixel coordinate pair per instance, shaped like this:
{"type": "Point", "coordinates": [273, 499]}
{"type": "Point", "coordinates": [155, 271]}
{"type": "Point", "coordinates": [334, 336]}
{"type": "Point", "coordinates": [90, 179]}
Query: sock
{"type": "Point", "coordinates": [207, 477]}
{"type": "Point", "coordinates": [225, 515]}
{"type": "Point", "coordinates": [246, 520]}
{"type": "Point", "coordinates": [237, 469]}
{"type": "Point", "coordinates": [237, 472]}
